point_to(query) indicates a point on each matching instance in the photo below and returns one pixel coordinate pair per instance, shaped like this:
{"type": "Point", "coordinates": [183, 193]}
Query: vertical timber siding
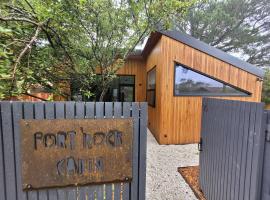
{"type": "Point", "coordinates": [176, 119]}
{"type": "Point", "coordinates": [180, 117]}
{"type": "Point", "coordinates": [154, 59]}
{"type": "Point", "coordinates": [137, 68]}
{"type": "Point", "coordinates": [10, 169]}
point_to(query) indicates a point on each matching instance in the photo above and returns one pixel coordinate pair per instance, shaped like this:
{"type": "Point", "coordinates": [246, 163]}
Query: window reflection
{"type": "Point", "coordinates": [122, 89]}
{"type": "Point", "coordinates": [189, 82]}
{"type": "Point", "coordinates": [151, 87]}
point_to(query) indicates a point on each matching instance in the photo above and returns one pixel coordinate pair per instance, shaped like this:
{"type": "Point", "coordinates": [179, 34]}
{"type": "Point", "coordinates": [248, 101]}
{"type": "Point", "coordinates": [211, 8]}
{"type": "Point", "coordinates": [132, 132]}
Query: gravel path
{"type": "Point", "coordinates": [163, 182]}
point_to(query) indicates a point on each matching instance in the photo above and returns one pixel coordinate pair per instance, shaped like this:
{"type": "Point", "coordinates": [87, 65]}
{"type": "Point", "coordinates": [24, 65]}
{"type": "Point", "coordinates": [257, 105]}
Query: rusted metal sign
{"type": "Point", "coordinates": [57, 153]}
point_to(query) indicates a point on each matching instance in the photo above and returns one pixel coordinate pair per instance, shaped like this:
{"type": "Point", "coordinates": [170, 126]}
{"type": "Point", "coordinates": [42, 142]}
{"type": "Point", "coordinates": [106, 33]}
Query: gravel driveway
{"type": "Point", "coordinates": [162, 179]}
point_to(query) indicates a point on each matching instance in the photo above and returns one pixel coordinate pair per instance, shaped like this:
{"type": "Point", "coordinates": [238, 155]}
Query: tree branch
{"type": "Point", "coordinates": [226, 33]}
{"type": "Point", "coordinates": [26, 48]}
{"type": "Point", "coordinates": [31, 95]}
{"type": "Point", "coordinates": [32, 8]}
{"type": "Point", "coordinates": [19, 19]}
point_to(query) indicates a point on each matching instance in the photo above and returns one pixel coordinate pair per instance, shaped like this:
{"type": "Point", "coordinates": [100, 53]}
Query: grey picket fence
{"type": "Point", "coordinates": [265, 191]}
{"type": "Point", "coordinates": [10, 169]}
{"type": "Point", "coordinates": [235, 151]}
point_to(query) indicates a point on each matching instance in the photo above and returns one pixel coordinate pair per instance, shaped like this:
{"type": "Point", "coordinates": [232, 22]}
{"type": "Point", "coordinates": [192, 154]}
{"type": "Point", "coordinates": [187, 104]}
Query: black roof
{"type": "Point", "coordinates": [135, 54]}
{"type": "Point", "coordinates": [210, 50]}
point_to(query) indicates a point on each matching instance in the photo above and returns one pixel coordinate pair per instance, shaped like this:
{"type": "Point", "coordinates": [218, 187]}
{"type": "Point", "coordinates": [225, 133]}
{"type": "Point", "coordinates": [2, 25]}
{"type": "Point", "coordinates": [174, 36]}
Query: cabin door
{"type": "Point", "coordinates": [127, 93]}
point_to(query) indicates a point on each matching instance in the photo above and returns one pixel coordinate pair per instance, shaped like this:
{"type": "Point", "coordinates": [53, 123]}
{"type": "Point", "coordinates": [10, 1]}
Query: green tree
{"type": "Point", "coordinates": [240, 26]}
{"type": "Point", "coordinates": [46, 42]}
{"type": "Point", "coordinates": [266, 87]}
{"type": "Point", "coordinates": [234, 26]}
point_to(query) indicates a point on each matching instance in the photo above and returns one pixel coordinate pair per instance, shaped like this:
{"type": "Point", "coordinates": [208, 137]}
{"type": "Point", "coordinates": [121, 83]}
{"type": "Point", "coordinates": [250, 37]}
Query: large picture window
{"type": "Point", "coordinates": [188, 82]}
{"type": "Point", "coordinates": [151, 87]}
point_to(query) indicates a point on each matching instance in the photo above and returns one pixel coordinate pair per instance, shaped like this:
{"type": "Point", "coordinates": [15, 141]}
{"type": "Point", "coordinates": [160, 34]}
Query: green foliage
{"type": "Point", "coordinates": [266, 87]}
{"type": "Point", "coordinates": [6, 57]}
{"type": "Point", "coordinates": [240, 27]}
{"type": "Point", "coordinates": [65, 40]}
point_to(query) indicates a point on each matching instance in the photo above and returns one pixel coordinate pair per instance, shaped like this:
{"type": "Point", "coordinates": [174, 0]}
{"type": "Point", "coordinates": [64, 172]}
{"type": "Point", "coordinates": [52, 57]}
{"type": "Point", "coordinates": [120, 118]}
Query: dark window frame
{"type": "Point", "coordinates": [118, 75]}
{"type": "Point", "coordinates": [247, 94]}
{"type": "Point", "coordinates": [133, 85]}
{"type": "Point", "coordinates": [127, 85]}
{"type": "Point", "coordinates": [151, 90]}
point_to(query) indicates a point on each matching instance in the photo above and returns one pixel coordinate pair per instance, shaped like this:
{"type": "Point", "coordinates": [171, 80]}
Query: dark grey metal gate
{"type": "Point", "coordinates": [10, 169]}
{"type": "Point", "coordinates": [265, 194]}
{"type": "Point", "coordinates": [235, 154]}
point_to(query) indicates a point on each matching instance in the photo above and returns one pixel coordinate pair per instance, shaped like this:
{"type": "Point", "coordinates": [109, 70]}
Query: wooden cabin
{"type": "Point", "coordinates": [173, 73]}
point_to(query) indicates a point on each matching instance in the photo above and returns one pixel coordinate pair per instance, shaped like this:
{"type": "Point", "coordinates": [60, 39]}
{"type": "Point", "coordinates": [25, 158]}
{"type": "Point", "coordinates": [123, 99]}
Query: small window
{"type": "Point", "coordinates": [188, 82]}
{"type": "Point", "coordinates": [151, 87]}
{"type": "Point", "coordinates": [126, 79]}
